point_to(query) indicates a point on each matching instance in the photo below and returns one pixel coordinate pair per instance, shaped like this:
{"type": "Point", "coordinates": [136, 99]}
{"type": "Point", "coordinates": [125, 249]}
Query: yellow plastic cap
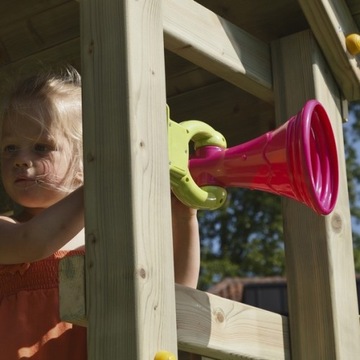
{"type": "Point", "coordinates": [164, 355]}
{"type": "Point", "coordinates": [353, 44]}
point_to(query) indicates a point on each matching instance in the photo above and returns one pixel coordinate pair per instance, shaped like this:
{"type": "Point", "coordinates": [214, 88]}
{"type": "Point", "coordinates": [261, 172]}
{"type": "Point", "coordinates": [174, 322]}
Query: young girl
{"type": "Point", "coordinates": [42, 171]}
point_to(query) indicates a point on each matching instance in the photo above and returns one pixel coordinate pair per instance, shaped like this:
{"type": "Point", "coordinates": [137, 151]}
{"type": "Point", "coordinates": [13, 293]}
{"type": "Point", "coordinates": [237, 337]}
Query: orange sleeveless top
{"type": "Point", "coordinates": [30, 325]}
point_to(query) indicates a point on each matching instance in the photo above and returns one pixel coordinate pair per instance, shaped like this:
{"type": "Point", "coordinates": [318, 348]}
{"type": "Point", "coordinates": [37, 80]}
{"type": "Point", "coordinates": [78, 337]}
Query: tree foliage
{"type": "Point", "coordinates": [245, 238]}
{"type": "Point", "coordinates": [351, 139]}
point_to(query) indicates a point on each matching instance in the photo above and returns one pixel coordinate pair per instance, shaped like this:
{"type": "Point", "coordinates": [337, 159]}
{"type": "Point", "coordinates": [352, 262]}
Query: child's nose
{"type": "Point", "coordinates": [23, 159]}
{"type": "Point", "coordinates": [24, 164]}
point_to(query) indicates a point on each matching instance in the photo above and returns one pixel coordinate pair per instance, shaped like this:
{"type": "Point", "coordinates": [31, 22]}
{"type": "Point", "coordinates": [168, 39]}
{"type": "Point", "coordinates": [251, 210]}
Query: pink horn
{"type": "Point", "coordinates": [298, 160]}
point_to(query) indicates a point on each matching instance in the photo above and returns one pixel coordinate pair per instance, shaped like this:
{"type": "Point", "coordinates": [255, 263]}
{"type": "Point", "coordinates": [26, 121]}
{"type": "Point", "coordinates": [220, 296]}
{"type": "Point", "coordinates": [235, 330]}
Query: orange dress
{"type": "Point", "coordinates": [30, 325]}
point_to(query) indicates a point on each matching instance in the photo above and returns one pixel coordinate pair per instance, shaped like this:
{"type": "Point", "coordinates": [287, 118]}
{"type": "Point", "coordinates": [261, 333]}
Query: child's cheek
{"type": "Point", "coordinates": [43, 167]}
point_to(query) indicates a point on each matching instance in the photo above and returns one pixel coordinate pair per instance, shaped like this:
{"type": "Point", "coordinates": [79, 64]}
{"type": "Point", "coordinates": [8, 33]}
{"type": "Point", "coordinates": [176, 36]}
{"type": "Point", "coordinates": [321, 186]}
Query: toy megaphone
{"type": "Point", "coordinates": [298, 160]}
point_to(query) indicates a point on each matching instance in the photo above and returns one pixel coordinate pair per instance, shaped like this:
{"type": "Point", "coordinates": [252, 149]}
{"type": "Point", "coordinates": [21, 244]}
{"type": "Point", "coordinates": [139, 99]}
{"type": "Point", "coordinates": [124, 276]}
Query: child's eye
{"type": "Point", "coordinates": [42, 148]}
{"type": "Point", "coordinates": [9, 149]}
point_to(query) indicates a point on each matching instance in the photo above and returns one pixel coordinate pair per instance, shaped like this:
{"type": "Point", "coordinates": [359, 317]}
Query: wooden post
{"type": "Point", "coordinates": [129, 267]}
{"type": "Point", "coordinates": [323, 312]}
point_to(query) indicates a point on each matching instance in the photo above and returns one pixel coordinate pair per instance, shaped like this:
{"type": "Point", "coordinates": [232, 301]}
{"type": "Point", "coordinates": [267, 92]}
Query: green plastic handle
{"type": "Point", "coordinates": [182, 183]}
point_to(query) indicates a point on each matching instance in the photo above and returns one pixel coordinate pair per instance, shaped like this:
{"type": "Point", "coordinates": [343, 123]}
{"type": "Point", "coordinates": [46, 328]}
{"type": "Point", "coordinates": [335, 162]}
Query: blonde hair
{"type": "Point", "coordinates": [53, 100]}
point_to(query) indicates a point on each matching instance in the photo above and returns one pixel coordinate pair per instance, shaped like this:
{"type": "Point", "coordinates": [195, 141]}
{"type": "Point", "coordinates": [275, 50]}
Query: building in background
{"type": "Point", "coordinates": [268, 293]}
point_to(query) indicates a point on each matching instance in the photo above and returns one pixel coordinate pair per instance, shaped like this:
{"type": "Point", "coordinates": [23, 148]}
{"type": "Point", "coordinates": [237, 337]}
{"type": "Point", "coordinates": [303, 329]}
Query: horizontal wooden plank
{"type": "Point", "coordinates": [207, 324]}
{"type": "Point", "coordinates": [265, 22]}
{"type": "Point", "coordinates": [219, 328]}
{"type": "Point", "coordinates": [190, 30]}
{"type": "Point", "coordinates": [354, 6]}
{"type": "Point", "coordinates": [195, 33]}
{"type": "Point", "coordinates": [57, 25]}
{"type": "Point", "coordinates": [207, 40]}
{"type": "Point", "coordinates": [183, 76]}
{"type": "Point", "coordinates": [236, 114]}
{"type": "Point", "coordinates": [14, 10]}
{"type": "Point", "coordinates": [65, 53]}
{"type": "Point", "coordinates": [40, 31]}
{"type": "Point", "coordinates": [330, 23]}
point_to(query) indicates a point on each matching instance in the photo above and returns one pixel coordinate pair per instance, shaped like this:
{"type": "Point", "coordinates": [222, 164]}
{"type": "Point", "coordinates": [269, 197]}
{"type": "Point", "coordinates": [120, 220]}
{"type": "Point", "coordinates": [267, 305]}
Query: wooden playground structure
{"type": "Point", "coordinates": [244, 67]}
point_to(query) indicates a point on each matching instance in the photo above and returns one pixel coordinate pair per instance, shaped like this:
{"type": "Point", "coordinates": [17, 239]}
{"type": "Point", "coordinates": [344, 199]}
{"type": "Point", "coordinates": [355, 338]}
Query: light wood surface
{"type": "Point", "coordinates": [206, 324]}
{"type": "Point", "coordinates": [129, 267]}
{"type": "Point", "coordinates": [323, 311]}
{"type": "Point", "coordinates": [331, 23]}
{"type": "Point", "coordinates": [199, 35]}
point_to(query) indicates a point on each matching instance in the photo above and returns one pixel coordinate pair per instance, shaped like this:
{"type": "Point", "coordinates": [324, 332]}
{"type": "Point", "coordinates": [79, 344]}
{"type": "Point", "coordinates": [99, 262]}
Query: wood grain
{"type": "Point", "coordinates": [319, 256]}
{"type": "Point", "coordinates": [331, 22]}
{"type": "Point", "coordinates": [206, 324]}
{"type": "Point", "coordinates": [129, 263]}
{"type": "Point", "coordinates": [202, 37]}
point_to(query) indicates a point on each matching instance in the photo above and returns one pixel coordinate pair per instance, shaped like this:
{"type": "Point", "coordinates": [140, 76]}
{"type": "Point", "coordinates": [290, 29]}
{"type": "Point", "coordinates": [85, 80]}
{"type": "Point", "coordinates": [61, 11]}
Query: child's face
{"type": "Point", "coordinates": [33, 166]}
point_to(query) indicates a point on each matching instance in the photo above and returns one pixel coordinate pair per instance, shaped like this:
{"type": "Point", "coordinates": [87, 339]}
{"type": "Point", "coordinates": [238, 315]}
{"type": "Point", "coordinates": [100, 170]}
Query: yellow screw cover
{"type": "Point", "coordinates": [353, 44]}
{"type": "Point", "coordinates": [164, 355]}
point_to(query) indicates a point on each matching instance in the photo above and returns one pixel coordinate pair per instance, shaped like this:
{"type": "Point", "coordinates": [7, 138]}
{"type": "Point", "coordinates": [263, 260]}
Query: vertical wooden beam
{"type": "Point", "coordinates": [129, 266]}
{"type": "Point", "coordinates": [323, 310]}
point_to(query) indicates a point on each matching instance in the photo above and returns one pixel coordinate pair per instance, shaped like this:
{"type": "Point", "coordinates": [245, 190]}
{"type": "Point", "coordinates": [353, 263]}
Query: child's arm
{"type": "Point", "coordinates": [44, 234]}
{"type": "Point", "coordinates": [186, 243]}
